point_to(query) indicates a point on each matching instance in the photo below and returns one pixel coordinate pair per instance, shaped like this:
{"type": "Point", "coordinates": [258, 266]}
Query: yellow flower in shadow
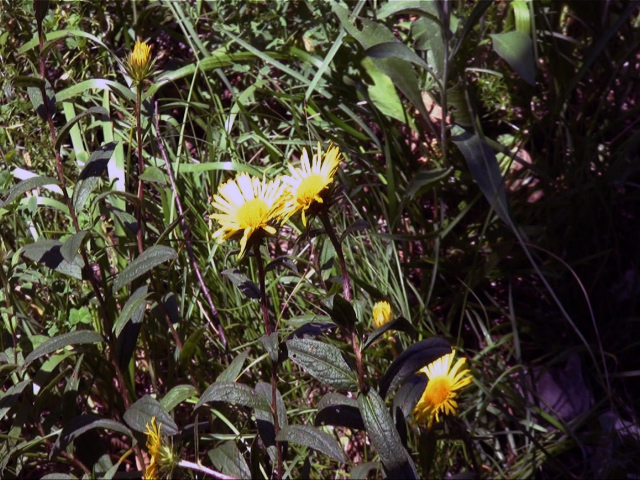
{"type": "Point", "coordinates": [163, 461]}
{"type": "Point", "coordinates": [441, 390]}
{"type": "Point", "coordinates": [307, 185]}
{"type": "Point", "coordinates": [382, 314]}
{"type": "Point", "coordinates": [247, 206]}
{"type": "Point", "coordinates": [139, 63]}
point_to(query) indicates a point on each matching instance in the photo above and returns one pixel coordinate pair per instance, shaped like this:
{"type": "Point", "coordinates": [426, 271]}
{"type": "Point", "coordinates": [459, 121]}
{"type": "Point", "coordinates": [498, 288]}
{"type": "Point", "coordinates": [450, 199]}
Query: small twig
{"type": "Point", "coordinates": [216, 325]}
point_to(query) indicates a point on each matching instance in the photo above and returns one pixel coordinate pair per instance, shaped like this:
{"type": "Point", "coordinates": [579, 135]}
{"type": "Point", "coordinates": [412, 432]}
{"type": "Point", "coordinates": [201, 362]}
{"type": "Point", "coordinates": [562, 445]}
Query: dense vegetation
{"type": "Point", "coordinates": [481, 176]}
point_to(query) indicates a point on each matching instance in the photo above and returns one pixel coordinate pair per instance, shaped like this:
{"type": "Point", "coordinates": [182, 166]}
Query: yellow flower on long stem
{"type": "Point", "coordinates": [382, 314]}
{"type": "Point", "coordinates": [163, 461]}
{"type": "Point", "coordinates": [139, 63]}
{"type": "Point", "coordinates": [307, 184]}
{"type": "Point", "coordinates": [247, 206]}
{"type": "Point", "coordinates": [439, 395]}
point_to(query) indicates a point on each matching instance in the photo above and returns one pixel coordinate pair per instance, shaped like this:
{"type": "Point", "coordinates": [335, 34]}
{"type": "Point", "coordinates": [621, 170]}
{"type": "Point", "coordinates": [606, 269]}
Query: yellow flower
{"type": "Point", "coordinates": [162, 457]}
{"type": "Point", "coordinates": [306, 185]}
{"type": "Point", "coordinates": [382, 314]}
{"type": "Point", "coordinates": [247, 205]}
{"type": "Point", "coordinates": [438, 397]}
{"type": "Point", "coordinates": [139, 63]}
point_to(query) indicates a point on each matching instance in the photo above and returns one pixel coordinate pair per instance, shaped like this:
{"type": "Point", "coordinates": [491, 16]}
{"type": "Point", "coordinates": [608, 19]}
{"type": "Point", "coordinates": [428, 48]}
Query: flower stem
{"type": "Point", "coordinates": [140, 207]}
{"type": "Point", "coordinates": [274, 364]}
{"type": "Point", "coordinates": [328, 228]}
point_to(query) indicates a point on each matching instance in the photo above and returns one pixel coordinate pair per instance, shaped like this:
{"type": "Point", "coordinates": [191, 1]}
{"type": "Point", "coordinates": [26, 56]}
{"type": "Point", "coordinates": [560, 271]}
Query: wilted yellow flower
{"type": "Point", "coordinates": [163, 461]}
{"type": "Point", "coordinates": [247, 205]}
{"type": "Point", "coordinates": [438, 396]}
{"type": "Point", "coordinates": [139, 63]}
{"type": "Point", "coordinates": [307, 184]}
{"type": "Point", "coordinates": [382, 314]}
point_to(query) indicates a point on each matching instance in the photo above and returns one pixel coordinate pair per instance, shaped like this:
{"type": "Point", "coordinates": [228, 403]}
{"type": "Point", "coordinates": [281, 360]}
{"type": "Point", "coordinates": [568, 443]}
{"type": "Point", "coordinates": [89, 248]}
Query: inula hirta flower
{"type": "Point", "coordinates": [247, 206]}
{"type": "Point", "coordinates": [163, 460]}
{"type": "Point", "coordinates": [306, 187]}
{"type": "Point", "coordinates": [382, 314]}
{"type": "Point", "coordinates": [139, 63]}
{"type": "Point", "coordinates": [438, 397]}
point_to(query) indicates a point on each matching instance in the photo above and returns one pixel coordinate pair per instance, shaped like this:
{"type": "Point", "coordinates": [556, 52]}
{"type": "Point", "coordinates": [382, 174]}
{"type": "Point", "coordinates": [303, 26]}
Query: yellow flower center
{"type": "Point", "coordinates": [310, 187]}
{"type": "Point", "coordinates": [252, 213]}
{"type": "Point", "coordinates": [438, 391]}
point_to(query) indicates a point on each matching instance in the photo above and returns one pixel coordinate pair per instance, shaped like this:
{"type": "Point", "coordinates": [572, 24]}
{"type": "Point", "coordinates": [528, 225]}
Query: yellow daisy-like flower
{"type": "Point", "coordinates": [306, 185]}
{"type": "Point", "coordinates": [162, 457]}
{"type": "Point", "coordinates": [247, 205]}
{"type": "Point", "coordinates": [382, 314]}
{"type": "Point", "coordinates": [438, 397]}
{"type": "Point", "coordinates": [139, 63]}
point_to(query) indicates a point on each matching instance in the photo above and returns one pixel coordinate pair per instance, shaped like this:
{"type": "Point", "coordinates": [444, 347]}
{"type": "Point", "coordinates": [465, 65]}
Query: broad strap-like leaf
{"type": "Point", "coordinates": [517, 49]}
{"type": "Point", "coordinates": [233, 393]}
{"type": "Point", "coordinates": [78, 337]}
{"type": "Point", "coordinates": [311, 437]}
{"type": "Point", "coordinates": [82, 424]}
{"type": "Point", "coordinates": [384, 437]}
{"type": "Point", "coordinates": [322, 361]}
{"type": "Point", "coordinates": [228, 459]}
{"type": "Point", "coordinates": [340, 411]}
{"type": "Point", "coordinates": [25, 186]}
{"type": "Point", "coordinates": [140, 414]}
{"type": "Point", "coordinates": [411, 360]}
{"type": "Point", "coordinates": [147, 260]}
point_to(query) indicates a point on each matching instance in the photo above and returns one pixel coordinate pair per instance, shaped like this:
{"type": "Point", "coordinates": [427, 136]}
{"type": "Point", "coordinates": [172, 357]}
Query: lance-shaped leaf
{"type": "Point", "coordinates": [340, 411]}
{"type": "Point", "coordinates": [408, 395]}
{"type": "Point", "coordinates": [38, 102]}
{"type": "Point", "coordinates": [141, 413]}
{"type": "Point", "coordinates": [411, 360]}
{"type": "Point", "coordinates": [25, 186]}
{"type": "Point", "coordinates": [399, 324]}
{"type": "Point", "coordinates": [342, 313]}
{"type": "Point", "coordinates": [484, 167]}
{"type": "Point", "coordinates": [132, 310]}
{"type": "Point", "coordinates": [240, 280]}
{"type": "Point", "coordinates": [517, 49]}
{"type": "Point", "coordinates": [147, 260]}
{"type": "Point", "coordinates": [228, 459]}
{"type": "Point", "coordinates": [48, 253]}
{"type": "Point", "coordinates": [82, 424]}
{"type": "Point", "coordinates": [73, 338]}
{"type": "Point", "coordinates": [233, 393]}
{"type": "Point", "coordinates": [71, 245]}
{"type": "Point", "coordinates": [384, 437]}
{"type": "Point", "coordinates": [100, 112]}
{"type": "Point", "coordinates": [177, 395]}
{"type": "Point", "coordinates": [322, 361]}
{"type": "Point", "coordinates": [232, 372]}
{"type": "Point", "coordinates": [311, 437]}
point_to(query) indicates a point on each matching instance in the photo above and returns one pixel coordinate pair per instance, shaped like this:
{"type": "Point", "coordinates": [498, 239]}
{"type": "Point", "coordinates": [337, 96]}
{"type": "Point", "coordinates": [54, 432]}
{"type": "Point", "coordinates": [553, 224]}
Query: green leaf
{"type": "Point", "coordinates": [362, 471]}
{"type": "Point", "coordinates": [88, 178]}
{"type": "Point", "coordinates": [71, 245]}
{"type": "Point", "coordinates": [78, 337]}
{"type": "Point", "coordinates": [424, 180]}
{"type": "Point", "coordinates": [383, 92]}
{"type": "Point", "coordinates": [191, 346]}
{"type": "Point", "coordinates": [517, 49]}
{"type": "Point", "coordinates": [177, 395]}
{"type": "Point", "coordinates": [11, 396]}
{"type": "Point", "coordinates": [322, 361]}
{"type": "Point", "coordinates": [340, 411]}
{"type": "Point", "coordinates": [246, 286]}
{"type": "Point", "coordinates": [147, 260]}
{"type": "Point", "coordinates": [81, 424]}
{"type": "Point", "coordinates": [100, 112]}
{"type": "Point", "coordinates": [264, 389]}
{"type": "Point", "coordinates": [228, 459]}
{"type": "Point", "coordinates": [384, 437]}
{"type": "Point", "coordinates": [411, 360]}
{"type": "Point", "coordinates": [342, 313]}
{"type": "Point", "coordinates": [232, 372]}
{"type": "Point", "coordinates": [484, 168]}
{"type": "Point", "coordinates": [48, 253]}
{"type": "Point", "coordinates": [133, 309]}
{"type": "Point", "coordinates": [395, 50]}
{"type": "Point", "coordinates": [233, 393]}
{"type": "Point", "coordinates": [311, 437]}
{"type": "Point", "coordinates": [409, 394]}
{"type": "Point", "coordinates": [399, 324]}
{"type": "Point", "coordinates": [25, 186]}
{"type": "Point", "coordinates": [35, 95]}
{"type": "Point", "coordinates": [140, 414]}
{"type": "Point", "coordinates": [271, 344]}
{"type": "Point", "coordinates": [154, 175]}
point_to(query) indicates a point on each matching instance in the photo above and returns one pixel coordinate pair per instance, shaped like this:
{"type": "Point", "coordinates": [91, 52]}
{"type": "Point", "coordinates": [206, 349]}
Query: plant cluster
{"type": "Point", "coordinates": [300, 239]}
